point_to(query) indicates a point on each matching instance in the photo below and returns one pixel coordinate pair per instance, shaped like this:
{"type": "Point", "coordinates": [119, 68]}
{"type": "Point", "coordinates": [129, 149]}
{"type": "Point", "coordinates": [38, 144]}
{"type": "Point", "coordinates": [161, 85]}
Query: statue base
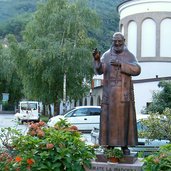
{"type": "Point", "coordinates": [108, 166]}
{"type": "Point", "coordinates": [130, 159]}
{"type": "Point", "coordinates": [100, 158]}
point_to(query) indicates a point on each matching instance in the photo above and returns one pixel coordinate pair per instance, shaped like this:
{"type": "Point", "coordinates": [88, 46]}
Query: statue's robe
{"type": "Point", "coordinates": [118, 118]}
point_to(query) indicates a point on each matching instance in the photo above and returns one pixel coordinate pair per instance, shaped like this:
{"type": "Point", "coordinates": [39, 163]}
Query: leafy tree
{"type": "Point", "coordinates": [159, 121]}
{"type": "Point", "coordinates": [109, 20]}
{"type": "Point", "coordinates": [14, 26]}
{"type": "Point", "coordinates": [55, 43]}
{"type": "Point", "coordinates": [42, 53]}
{"type": "Point", "coordinates": [158, 125]}
{"type": "Point", "coordinates": [9, 80]}
{"type": "Point", "coordinates": [161, 99]}
{"type": "Point", "coordinates": [10, 8]}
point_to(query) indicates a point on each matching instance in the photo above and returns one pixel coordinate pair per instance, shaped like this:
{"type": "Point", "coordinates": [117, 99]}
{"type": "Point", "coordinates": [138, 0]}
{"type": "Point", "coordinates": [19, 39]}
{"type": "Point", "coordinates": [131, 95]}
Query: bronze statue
{"type": "Point", "coordinates": [118, 118]}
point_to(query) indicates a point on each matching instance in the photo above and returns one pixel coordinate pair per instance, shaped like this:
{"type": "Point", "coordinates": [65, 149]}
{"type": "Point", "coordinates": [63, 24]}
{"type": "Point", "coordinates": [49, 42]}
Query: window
{"type": "Point", "coordinates": [94, 111]}
{"type": "Point", "coordinates": [28, 106]}
{"type": "Point", "coordinates": [81, 112]}
{"type": "Point", "coordinates": [148, 38]}
{"type": "Point", "coordinates": [165, 37]}
{"type": "Point", "coordinates": [132, 37]}
{"type": "Point", "coordinates": [69, 112]}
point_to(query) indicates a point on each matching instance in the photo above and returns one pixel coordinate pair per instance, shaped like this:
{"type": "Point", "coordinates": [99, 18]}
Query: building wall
{"type": "Point", "coordinates": [146, 25]}
{"type": "Point", "coordinates": [132, 7]}
{"type": "Point", "coordinates": [148, 35]}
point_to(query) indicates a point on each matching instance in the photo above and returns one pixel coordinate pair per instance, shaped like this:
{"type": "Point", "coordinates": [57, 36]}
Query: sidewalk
{"type": "Point", "coordinates": [7, 112]}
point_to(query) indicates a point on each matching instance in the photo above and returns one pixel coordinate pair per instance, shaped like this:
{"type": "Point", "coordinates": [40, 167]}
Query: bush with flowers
{"type": "Point", "coordinates": [57, 148]}
{"type": "Point", "coordinates": [160, 160]}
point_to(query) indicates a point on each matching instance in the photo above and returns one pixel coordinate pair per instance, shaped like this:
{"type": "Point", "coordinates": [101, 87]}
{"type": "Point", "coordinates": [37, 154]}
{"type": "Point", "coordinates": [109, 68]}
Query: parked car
{"type": "Point", "coordinates": [145, 146]}
{"type": "Point", "coordinates": [28, 111]}
{"type": "Point", "coordinates": [84, 117]}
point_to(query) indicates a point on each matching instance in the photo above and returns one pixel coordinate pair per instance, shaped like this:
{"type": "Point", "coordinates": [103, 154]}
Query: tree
{"type": "Point", "coordinates": [108, 14]}
{"type": "Point", "coordinates": [161, 99]}
{"type": "Point", "coordinates": [158, 126]}
{"type": "Point", "coordinates": [159, 121]}
{"type": "Point", "coordinates": [9, 80]}
{"type": "Point", "coordinates": [10, 8]}
{"type": "Point", "coordinates": [45, 19]}
{"type": "Point", "coordinates": [55, 42]}
{"type": "Point", "coordinates": [14, 26]}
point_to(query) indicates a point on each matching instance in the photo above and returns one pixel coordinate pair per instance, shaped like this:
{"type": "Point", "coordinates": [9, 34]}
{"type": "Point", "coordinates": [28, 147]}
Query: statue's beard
{"type": "Point", "coordinates": [118, 49]}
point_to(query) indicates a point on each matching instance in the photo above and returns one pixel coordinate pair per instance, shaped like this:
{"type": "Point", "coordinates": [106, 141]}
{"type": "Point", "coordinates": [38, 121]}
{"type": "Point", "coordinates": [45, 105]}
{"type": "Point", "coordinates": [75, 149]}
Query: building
{"type": "Point", "coordinates": [146, 25]}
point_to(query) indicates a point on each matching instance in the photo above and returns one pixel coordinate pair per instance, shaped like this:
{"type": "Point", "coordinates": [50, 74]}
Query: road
{"type": "Point", "coordinates": [7, 120]}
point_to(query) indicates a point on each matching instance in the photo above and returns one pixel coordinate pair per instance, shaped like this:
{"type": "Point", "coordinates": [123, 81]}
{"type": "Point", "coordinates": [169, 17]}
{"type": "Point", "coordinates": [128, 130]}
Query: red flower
{"type": "Point", "coordinates": [30, 161]}
{"type": "Point", "coordinates": [18, 159]}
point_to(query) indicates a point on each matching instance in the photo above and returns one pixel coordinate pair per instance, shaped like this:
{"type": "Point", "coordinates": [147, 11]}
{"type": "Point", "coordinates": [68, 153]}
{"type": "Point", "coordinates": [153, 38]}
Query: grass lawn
{"type": "Point", "coordinates": [44, 118]}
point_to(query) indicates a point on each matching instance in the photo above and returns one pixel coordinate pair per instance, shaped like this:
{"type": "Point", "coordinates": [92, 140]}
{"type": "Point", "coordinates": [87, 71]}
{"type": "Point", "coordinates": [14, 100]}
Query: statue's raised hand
{"type": "Point", "coordinates": [96, 55]}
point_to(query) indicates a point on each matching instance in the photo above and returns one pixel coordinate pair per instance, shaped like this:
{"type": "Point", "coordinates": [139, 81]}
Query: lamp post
{"type": "Point", "coordinates": [64, 93]}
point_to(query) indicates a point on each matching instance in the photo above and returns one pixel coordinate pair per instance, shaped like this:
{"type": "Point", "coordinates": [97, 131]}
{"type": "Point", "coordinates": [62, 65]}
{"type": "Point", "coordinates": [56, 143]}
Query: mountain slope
{"type": "Point", "coordinates": [12, 8]}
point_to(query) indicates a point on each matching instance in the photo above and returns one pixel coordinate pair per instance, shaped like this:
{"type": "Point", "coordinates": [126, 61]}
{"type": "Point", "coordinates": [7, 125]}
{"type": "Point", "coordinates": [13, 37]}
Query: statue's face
{"type": "Point", "coordinates": [118, 43]}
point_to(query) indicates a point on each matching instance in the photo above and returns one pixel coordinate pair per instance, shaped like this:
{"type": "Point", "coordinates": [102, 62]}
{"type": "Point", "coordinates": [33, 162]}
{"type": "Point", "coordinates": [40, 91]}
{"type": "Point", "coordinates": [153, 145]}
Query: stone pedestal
{"type": "Point", "coordinates": [108, 166]}
{"type": "Point", "coordinates": [101, 158]}
{"type": "Point", "coordinates": [129, 159]}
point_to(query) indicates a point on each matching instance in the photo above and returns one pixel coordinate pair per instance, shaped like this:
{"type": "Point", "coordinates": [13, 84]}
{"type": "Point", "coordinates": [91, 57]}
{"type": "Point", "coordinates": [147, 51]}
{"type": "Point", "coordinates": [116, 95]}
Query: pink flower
{"type": "Point", "coordinates": [49, 146]}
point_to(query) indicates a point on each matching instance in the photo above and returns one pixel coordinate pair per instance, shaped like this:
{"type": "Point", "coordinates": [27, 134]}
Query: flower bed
{"type": "Point", "coordinates": [58, 148]}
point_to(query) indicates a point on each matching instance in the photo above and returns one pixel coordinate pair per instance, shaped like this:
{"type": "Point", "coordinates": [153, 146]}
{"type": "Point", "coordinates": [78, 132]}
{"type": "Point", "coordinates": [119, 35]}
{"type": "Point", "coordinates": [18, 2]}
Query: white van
{"type": "Point", "coordinates": [28, 111]}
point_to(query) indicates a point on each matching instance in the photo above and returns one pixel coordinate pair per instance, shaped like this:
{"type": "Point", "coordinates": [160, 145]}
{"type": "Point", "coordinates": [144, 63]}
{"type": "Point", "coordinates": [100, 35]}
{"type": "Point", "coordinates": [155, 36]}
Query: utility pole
{"type": "Point", "coordinates": [64, 93]}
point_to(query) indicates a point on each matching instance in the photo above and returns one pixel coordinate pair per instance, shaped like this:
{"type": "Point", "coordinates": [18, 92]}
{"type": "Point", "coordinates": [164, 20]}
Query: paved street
{"type": "Point", "coordinates": [7, 120]}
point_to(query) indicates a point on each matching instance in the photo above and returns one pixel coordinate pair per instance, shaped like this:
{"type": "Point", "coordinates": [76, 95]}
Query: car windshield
{"type": "Point", "coordinates": [67, 111]}
{"type": "Point", "coordinates": [81, 112]}
{"type": "Point", "coordinates": [28, 106]}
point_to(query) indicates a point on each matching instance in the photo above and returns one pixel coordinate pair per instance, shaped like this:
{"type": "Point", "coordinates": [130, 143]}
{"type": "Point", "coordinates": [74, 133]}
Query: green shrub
{"type": "Point", "coordinates": [57, 148]}
{"type": "Point", "coordinates": [157, 126]}
{"type": "Point", "coordinates": [160, 161]}
{"type": "Point", "coordinates": [113, 152]}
